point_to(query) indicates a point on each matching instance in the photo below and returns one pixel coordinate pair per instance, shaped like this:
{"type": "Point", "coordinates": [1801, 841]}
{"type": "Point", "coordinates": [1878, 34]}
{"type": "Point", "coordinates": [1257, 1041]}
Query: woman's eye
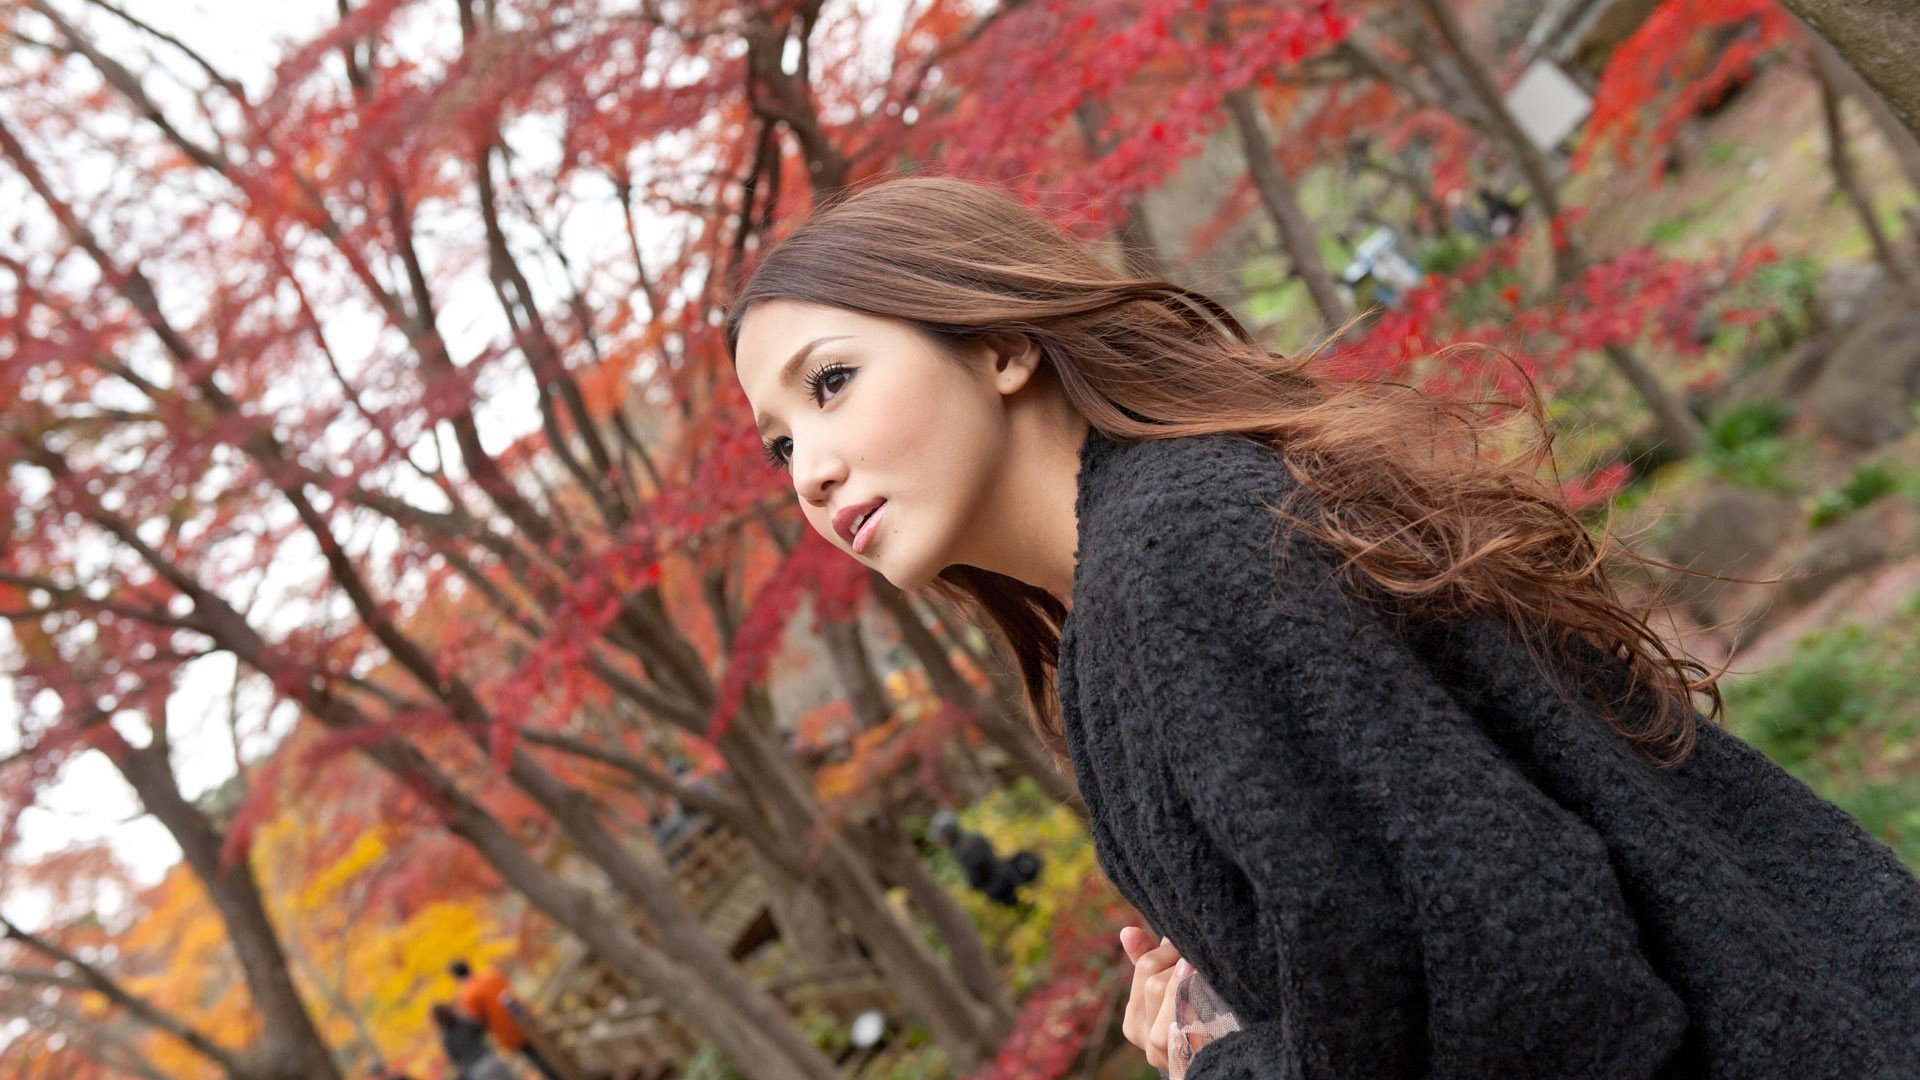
{"type": "Point", "coordinates": [829, 373]}
{"type": "Point", "coordinates": [836, 374]}
{"type": "Point", "coordinates": [775, 457]}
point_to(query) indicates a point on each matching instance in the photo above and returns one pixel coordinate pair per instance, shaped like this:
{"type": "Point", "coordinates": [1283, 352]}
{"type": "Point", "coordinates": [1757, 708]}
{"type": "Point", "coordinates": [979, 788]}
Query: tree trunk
{"type": "Point", "coordinates": [1680, 429]}
{"type": "Point", "coordinates": [290, 1046]}
{"type": "Point", "coordinates": [742, 1020]}
{"type": "Point", "coordinates": [1282, 200]}
{"type": "Point", "coordinates": [1135, 232]}
{"type": "Point", "coordinates": [964, 1026]}
{"type": "Point", "coordinates": [804, 921]}
{"type": "Point", "coordinates": [896, 858]}
{"type": "Point", "coordinates": [86, 976]}
{"type": "Point", "coordinates": [1848, 181]}
{"type": "Point", "coordinates": [1880, 39]}
{"type": "Point", "coordinates": [1849, 82]}
{"type": "Point", "coordinates": [1142, 248]}
{"type": "Point", "coordinates": [847, 653]}
{"type": "Point", "coordinates": [642, 878]}
{"type": "Point", "coordinates": [697, 979]}
{"type": "Point", "coordinates": [995, 716]}
{"type": "Point", "coordinates": [1277, 193]}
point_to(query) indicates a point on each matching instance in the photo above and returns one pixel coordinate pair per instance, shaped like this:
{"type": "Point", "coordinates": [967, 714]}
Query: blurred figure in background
{"type": "Point", "coordinates": [465, 1041]}
{"type": "Point", "coordinates": [998, 880]}
{"type": "Point", "coordinates": [486, 998]}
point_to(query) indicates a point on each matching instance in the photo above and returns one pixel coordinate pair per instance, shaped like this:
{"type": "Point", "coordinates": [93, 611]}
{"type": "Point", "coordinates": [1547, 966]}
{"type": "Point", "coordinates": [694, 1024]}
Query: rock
{"type": "Point", "coordinates": [1858, 542]}
{"type": "Point", "coordinates": [1730, 531]}
{"type": "Point", "coordinates": [1848, 290]}
{"type": "Point", "coordinates": [1781, 379]}
{"type": "Point", "coordinates": [1865, 393]}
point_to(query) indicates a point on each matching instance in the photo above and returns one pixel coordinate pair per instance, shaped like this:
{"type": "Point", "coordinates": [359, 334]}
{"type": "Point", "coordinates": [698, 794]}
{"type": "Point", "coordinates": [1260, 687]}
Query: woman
{"type": "Point", "coordinates": [1362, 725]}
{"type": "Point", "coordinates": [465, 1041]}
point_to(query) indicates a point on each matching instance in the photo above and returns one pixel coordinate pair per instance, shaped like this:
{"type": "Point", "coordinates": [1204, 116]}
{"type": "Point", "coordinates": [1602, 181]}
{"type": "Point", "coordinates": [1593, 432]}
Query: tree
{"type": "Point", "coordinates": [398, 387]}
{"type": "Point", "coordinates": [572, 575]}
{"type": "Point", "coordinates": [1879, 38]}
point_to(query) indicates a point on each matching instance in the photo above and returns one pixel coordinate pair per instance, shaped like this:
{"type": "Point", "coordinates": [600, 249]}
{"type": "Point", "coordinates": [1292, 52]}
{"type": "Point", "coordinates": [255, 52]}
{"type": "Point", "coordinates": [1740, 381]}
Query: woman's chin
{"type": "Point", "coordinates": [904, 579]}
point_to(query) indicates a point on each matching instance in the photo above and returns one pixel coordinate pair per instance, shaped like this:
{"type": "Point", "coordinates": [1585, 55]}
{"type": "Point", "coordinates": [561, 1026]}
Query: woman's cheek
{"type": "Point", "coordinates": [824, 528]}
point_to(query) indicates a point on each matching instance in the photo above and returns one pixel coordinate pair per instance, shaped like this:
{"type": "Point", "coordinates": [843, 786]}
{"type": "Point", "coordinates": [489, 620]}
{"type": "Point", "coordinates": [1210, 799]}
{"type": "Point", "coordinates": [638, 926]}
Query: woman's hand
{"type": "Point", "coordinates": [1156, 971]}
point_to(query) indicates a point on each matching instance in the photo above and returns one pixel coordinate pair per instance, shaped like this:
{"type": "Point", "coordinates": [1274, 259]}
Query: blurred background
{"type": "Point", "coordinates": [391, 576]}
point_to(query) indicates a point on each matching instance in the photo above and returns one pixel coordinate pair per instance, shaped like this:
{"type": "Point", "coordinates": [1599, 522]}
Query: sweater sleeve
{"type": "Point", "coordinates": [1282, 702]}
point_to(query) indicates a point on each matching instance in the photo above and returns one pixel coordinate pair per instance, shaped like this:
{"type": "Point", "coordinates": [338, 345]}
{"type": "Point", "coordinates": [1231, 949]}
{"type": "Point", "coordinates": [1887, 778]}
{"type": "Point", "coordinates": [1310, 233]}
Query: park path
{"type": "Point", "coordinates": [1871, 597]}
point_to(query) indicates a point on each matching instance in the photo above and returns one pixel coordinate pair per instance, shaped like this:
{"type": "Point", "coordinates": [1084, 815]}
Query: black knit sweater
{"type": "Point", "coordinates": [1404, 854]}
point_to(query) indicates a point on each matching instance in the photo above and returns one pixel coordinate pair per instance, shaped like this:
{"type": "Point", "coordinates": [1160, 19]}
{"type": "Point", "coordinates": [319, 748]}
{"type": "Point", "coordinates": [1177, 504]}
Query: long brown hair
{"type": "Point", "coordinates": [1399, 480]}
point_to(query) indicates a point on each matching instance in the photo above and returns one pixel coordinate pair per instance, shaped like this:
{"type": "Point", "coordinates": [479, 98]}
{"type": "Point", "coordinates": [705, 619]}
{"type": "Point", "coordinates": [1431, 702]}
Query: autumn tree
{"type": "Point", "coordinates": [561, 536]}
{"type": "Point", "coordinates": [396, 383]}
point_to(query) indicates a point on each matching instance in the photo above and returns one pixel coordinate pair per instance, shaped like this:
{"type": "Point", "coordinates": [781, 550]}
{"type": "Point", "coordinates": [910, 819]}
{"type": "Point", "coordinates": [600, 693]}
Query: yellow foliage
{"type": "Point", "coordinates": [367, 849]}
{"type": "Point", "coordinates": [1020, 818]}
{"type": "Point", "coordinates": [388, 970]}
{"type": "Point", "coordinates": [402, 970]}
{"type": "Point", "coordinates": [179, 958]}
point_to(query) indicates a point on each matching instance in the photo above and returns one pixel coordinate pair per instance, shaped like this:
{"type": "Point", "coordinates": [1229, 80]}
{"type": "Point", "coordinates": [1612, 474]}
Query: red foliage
{"type": "Point", "coordinates": [310, 392]}
{"type": "Point", "coordinates": [1686, 54]}
{"type": "Point", "coordinates": [1024, 79]}
{"type": "Point", "coordinates": [1636, 296]}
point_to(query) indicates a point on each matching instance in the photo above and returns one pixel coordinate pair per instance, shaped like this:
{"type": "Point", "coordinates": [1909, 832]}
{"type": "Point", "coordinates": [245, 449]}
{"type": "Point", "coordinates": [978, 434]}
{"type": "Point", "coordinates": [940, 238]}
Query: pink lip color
{"type": "Point", "coordinates": [865, 535]}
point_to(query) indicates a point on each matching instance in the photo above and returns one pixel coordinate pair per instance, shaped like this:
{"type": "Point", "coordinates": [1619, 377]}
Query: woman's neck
{"type": "Point", "coordinates": [1036, 533]}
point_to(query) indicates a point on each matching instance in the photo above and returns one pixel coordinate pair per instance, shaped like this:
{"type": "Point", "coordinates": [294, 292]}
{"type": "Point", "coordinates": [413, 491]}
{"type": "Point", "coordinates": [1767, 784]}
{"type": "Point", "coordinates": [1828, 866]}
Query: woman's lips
{"type": "Point", "coordinates": [864, 538]}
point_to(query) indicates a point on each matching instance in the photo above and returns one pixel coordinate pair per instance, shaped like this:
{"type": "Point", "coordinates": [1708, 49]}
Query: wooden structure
{"type": "Point", "coordinates": [614, 1030]}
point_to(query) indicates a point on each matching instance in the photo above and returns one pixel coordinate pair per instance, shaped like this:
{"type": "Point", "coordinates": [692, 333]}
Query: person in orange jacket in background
{"type": "Point", "coordinates": [486, 997]}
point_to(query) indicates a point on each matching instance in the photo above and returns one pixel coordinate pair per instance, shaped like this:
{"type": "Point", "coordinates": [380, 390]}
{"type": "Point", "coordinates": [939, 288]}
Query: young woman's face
{"type": "Point", "coordinates": [875, 412]}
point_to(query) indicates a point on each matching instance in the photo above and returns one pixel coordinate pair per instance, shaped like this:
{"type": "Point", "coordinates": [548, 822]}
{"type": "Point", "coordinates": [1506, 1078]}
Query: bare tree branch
{"type": "Point", "coordinates": [89, 977]}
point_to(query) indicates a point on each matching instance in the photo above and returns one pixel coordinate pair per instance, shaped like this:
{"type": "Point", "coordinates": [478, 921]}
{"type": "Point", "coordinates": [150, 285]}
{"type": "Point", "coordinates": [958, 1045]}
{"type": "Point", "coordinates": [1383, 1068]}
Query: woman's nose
{"type": "Point", "coordinates": [815, 474]}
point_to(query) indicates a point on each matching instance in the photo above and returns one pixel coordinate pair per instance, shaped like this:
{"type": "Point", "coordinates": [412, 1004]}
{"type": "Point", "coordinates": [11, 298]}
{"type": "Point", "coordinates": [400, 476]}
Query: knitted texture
{"type": "Point", "coordinates": [1402, 853]}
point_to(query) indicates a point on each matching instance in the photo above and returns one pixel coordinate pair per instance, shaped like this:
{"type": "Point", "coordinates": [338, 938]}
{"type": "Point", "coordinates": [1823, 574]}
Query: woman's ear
{"type": "Point", "coordinates": [1012, 360]}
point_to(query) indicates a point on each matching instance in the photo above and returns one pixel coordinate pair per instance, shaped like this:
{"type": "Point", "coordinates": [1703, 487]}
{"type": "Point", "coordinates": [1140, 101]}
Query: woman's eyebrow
{"type": "Point", "coordinates": [792, 366]}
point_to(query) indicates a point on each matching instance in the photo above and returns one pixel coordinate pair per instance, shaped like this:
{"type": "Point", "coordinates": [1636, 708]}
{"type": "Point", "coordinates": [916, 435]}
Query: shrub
{"type": "Point", "coordinates": [1744, 447]}
{"type": "Point", "coordinates": [1868, 483]}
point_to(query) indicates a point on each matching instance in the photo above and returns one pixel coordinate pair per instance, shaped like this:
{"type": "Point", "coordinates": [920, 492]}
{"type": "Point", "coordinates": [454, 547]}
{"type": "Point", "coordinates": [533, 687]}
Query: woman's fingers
{"type": "Point", "coordinates": [1135, 941]}
{"type": "Point", "coordinates": [1161, 1026]}
{"type": "Point", "coordinates": [1152, 971]}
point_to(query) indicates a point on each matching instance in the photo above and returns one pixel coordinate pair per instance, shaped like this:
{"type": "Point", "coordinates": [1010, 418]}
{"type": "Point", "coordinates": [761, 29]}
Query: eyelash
{"type": "Point", "coordinates": [813, 383]}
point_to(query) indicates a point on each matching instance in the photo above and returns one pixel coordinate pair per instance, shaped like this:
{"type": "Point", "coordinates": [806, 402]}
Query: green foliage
{"type": "Point", "coordinates": [1889, 810]}
{"type": "Point", "coordinates": [1721, 153]}
{"type": "Point", "coordinates": [1668, 231]}
{"type": "Point", "coordinates": [1274, 297]}
{"type": "Point", "coordinates": [920, 1059]}
{"type": "Point", "coordinates": [1744, 446]}
{"type": "Point", "coordinates": [1910, 480]}
{"type": "Point", "coordinates": [1790, 288]}
{"type": "Point", "coordinates": [707, 1063]}
{"type": "Point", "coordinates": [1869, 482]}
{"type": "Point", "coordinates": [1843, 714]}
{"type": "Point", "coordinates": [1488, 299]}
{"type": "Point", "coordinates": [826, 1031]}
{"type": "Point", "coordinates": [1449, 253]}
{"type": "Point", "coordinates": [1830, 687]}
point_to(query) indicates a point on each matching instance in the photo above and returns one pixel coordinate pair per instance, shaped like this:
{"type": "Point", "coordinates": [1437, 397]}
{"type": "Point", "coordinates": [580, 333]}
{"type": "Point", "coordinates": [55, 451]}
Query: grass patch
{"type": "Point", "coordinates": [1843, 715]}
{"type": "Point", "coordinates": [1869, 483]}
{"type": "Point", "coordinates": [1744, 446]}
